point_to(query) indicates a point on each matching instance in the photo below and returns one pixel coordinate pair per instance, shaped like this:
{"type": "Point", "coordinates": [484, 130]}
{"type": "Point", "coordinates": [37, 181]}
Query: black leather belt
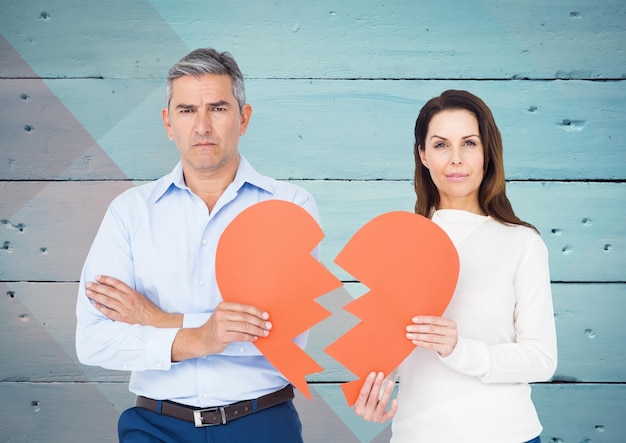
{"type": "Point", "coordinates": [217, 415]}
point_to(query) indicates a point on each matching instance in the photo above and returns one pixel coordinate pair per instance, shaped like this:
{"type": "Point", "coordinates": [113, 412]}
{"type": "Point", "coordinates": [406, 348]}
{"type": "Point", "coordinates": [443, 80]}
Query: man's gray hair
{"type": "Point", "coordinates": [208, 61]}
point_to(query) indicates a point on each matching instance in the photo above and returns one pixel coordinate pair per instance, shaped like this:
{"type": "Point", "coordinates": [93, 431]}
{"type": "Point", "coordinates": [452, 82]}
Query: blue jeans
{"type": "Point", "coordinates": [278, 424]}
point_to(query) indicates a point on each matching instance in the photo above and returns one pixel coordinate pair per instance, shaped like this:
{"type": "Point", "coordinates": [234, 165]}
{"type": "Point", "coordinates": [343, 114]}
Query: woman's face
{"type": "Point", "coordinates": [453, 153]}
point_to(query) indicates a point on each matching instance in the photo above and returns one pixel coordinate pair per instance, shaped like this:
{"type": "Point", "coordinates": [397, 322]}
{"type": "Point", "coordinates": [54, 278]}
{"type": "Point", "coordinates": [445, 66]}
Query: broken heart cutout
{"type": "Point", "coordinates": [411, 268]}
{"type": "Point", "coordinates": [408, 263]}
{"type": "Point", "coordinates": [264, 259]}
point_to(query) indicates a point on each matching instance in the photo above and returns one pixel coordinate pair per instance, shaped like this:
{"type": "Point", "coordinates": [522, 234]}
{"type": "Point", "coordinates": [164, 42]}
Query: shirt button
{"type": "Point", "coordinates": [201, 282]}
{"type": "Point", "coordinates": [205, 395]}
{"type": "Point", "coordinates": [242, 349]}
{"type": "Point", "coordinates": [159, 365]}
{"type": "Point", "coordinates": [204, 241]}
{"type": "Point", "coordinates": [124, 366]}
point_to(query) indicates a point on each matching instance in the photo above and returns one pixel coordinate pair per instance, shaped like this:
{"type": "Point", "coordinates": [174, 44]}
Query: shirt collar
{"type": "Point", "coordinates": [245, 174]}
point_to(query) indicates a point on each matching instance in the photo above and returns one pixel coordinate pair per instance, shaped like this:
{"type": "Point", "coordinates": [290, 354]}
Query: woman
{"type": "Point", "coordinates": [468, 378]}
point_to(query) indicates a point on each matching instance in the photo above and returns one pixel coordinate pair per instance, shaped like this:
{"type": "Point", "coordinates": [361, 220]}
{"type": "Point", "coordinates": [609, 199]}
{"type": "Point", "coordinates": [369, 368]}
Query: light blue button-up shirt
{"type": "Point", "coordinates": [160, 239]}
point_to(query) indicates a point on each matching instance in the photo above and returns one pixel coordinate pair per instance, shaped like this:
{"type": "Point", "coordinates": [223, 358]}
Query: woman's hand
{"type": "Point", "coordinates": [435, 333]}
{"type": "Point", "coordinates": [371, 405]}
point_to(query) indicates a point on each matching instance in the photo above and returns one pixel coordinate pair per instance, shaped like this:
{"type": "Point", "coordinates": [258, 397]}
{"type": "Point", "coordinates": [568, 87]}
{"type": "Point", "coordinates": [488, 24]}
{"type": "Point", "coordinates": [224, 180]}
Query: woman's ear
{"type": "Point", "coordinates": [422, 153]}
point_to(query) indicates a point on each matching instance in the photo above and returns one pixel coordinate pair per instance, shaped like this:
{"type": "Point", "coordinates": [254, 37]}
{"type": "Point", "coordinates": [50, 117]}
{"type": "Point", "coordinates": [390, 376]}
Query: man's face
{"type": "Point", "coordinates": [204, 121]}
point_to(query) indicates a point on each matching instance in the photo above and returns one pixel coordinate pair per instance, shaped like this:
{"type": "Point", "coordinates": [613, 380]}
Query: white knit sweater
{"type": "Point", "coordinates": [507, 339]}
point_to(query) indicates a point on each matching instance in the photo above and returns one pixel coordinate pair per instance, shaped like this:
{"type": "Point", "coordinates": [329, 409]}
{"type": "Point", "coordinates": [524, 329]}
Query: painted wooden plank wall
{"type": "Point", "coordinates": [532, 39]}
{"type": "Point", "coordinates": [582, 223]}
{"type": "Point", "coordinates": [335, 88]}
{"type": "Point", "coordinates": [43, 370]}
{"type": "Point", "coordinates": [329, 129]}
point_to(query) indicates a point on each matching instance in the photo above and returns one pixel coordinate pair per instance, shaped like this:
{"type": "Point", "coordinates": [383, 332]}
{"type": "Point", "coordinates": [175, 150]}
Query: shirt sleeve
{"type": "Point", "coordinates": [99, 340]}
{"type": "Point", "coordinates": [532, 357]}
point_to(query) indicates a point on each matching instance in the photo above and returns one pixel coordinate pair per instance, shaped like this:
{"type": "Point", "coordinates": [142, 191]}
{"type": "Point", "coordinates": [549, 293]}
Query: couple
{"type": "Point", "coordinates": [191, 355]}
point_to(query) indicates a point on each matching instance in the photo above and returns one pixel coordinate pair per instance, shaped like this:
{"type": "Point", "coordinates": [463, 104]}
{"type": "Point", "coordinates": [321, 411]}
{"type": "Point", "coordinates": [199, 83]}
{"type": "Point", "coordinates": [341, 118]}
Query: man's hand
{"type": "Point", "coordinates": [119, 302]}
{"type": "Point", "coordinates": [230, 322]}
{"type": "Point", "coordinates": [435, 333]}
{"type": "Point", "coordinates": [371, 404]}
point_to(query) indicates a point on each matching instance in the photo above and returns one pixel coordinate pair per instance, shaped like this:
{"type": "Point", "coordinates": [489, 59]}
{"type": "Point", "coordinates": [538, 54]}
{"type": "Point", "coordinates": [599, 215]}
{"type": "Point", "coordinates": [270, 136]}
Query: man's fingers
{"type": "Point", "coordinates": [243, 318]}
{"type": "Point", "coordinates": [244, 309]}
{"type": "Point", "coordinates": [113, 282]}
{"type": "Point", "coordinates": [235, 322]}
{"type": "Point", "coordinates": [106, 311]}
{"type": "Point", "coordinates": [103, 291]}
{"type": "Point", "coordinates": [100, 299]}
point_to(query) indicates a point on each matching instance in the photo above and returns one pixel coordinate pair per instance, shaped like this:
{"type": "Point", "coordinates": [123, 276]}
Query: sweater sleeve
{"type": "Point", "coordinates": [532, 357]}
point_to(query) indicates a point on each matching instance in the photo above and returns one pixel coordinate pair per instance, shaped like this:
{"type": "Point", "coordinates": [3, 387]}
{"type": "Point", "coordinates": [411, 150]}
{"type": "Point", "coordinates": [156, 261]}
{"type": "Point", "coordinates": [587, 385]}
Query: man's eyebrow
{"type": "Point", "coordinates": [220, 103]}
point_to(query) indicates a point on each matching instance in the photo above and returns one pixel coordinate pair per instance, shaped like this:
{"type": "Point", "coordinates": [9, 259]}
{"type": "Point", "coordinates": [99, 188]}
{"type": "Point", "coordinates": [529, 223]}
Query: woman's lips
{"type": "Point", "coordinates": [456, 176]}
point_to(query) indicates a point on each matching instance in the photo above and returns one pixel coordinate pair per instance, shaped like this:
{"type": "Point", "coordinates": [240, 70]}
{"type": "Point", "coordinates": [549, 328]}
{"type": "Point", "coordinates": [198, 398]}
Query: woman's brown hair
{"type": "Point", "coordinates": [492, 193]}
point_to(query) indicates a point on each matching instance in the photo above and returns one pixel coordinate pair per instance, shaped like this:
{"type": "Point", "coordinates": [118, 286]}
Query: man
{"type": "Point", "coordinates": [191, 354]}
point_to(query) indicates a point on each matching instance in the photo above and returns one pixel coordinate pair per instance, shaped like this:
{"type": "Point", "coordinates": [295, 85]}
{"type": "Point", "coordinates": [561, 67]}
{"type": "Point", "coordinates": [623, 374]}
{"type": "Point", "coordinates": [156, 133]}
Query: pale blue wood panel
{"type": "Point", "coordinates": [591, 336]}
{"type": "Point", "coordinates": [41, 321]}
{"type": "Point", "coordinates": [88, 412]}
{"type": "Point", "coordinates": [568, 412]}
{"type": "Point", "coordinates": [591, 333]}
{"type": "Point", "coordinates": [365, 129]}
{"type": "Point", "coordinates": [581, 413]}
{"type": "Point", "coordinates": [46, 228]}
{"type": "Point", "coordinates": [582, 224]}
{"type": "Point", "coordinates": [40, 344]}
{"type": "Point", "coordinates": [59, 413]}
{"type": "Point", "coordinates": [50, 225]}
{"type": "Point", "coordinates": [318, 129]}
{"type": "Point", "coordinates": [41, 140]}
{"type": "Point", "coordinates": [79, 412]}
{"type": "Point", "coordinates": [112, 39]}
{"type": "Point", "coordinates": [39, 318]}
{"type": "Point", "coordinates": [324, 39]}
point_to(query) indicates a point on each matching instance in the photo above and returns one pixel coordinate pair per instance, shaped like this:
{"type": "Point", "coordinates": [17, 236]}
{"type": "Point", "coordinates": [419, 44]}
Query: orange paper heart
{"type": "Point", "coordinates": [411, 268]}
{"type": "Point", "coordinates": [264, 259]}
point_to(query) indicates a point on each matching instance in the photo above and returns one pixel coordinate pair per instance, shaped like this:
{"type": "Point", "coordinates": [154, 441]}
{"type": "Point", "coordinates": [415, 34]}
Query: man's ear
{"type": "Point", "coordinates": [166, 122]}
{"type": "Point", "coordinates": [246, 113]}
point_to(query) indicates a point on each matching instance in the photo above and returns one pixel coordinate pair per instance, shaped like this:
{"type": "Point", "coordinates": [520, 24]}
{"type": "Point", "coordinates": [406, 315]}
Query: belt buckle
{"type": "Point", "coordinates": [198, 420]}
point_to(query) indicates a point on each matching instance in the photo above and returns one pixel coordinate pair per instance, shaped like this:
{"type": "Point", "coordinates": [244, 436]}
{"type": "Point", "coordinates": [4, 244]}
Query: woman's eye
{"type": "Point", "coordinates": [440, 145]}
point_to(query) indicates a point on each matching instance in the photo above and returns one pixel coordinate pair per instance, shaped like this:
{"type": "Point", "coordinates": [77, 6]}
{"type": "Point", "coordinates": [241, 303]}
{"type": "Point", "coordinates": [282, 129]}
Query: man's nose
{"type": "Point", "coordinates": [203, 123]}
